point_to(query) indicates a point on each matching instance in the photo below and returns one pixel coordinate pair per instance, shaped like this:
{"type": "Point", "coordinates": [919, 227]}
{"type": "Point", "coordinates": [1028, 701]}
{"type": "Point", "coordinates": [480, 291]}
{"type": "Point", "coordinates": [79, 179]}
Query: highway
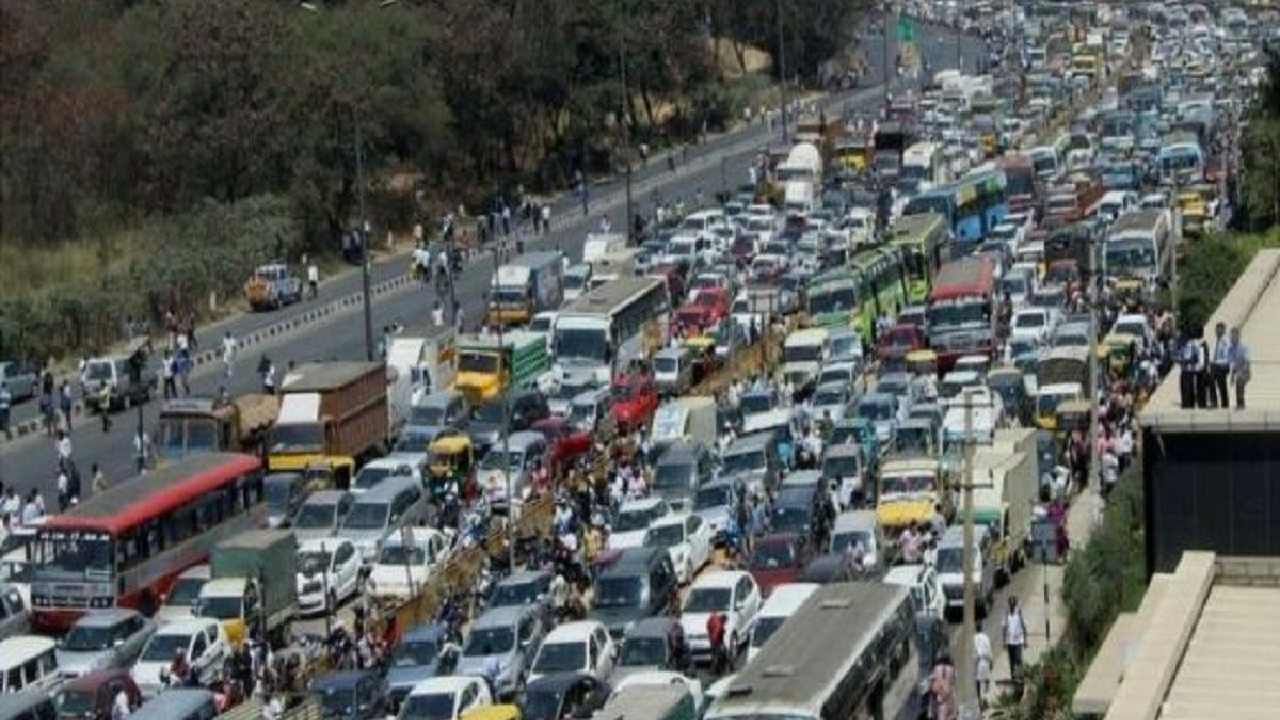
{"type": "Point", "coordinates": [31, 461]}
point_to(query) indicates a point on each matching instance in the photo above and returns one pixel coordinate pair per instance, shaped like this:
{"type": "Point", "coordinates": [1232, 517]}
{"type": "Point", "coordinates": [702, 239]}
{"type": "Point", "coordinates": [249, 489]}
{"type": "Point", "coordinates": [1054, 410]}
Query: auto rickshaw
{"type": "Point", "coordinates": [922, 362]}
{"type": "Point", "coordinates": [451, 458]}
{"type": "Point", "coordinates": [853, 154]}
{"type": "Point", "coordinates": [1073, 415]}
{"type": "Point", "coordinates": [702, 353]}
{"type": "Point", "coordinates": [1115, 351]}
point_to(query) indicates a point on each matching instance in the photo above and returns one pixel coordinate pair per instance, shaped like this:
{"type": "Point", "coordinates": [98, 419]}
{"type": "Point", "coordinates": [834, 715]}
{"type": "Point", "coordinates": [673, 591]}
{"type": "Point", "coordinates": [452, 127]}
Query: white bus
{"type": "Point", "coordinates": [1138, 246]}
{"type": "Point", "coordinates": [606, 329]}
{"type": "Point", "coordinates": [923, 166]}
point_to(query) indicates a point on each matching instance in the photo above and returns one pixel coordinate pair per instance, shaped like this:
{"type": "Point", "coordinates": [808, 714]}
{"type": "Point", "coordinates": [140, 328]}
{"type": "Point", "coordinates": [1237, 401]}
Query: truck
{"type": "Point", "coordinates": [599, 245]}
{"type": "Point", "coordinates": [19, 379]}
{"type": "Point", "coordinates": [691, 418]}
{"type": "Point", "coordinates": [128, 379]}
{"type": "Point", "coordinates": [907, 491]}
{"type": "Point", "coordinates": [1068, 364]}
{"type": "Point", "coordinates": [332, 415]}
{"type": "Point", "coordinates": [1005, 487]}
{"type": "Point", "coordinates": [801, 176]}
{"type": "Point", "coordinates": [253, 586]}
{"type": "Point", "coordinates": [419, 366]}
{"type": "Point", "coordinates": [488, 364]}
{"type": "Point", "coordinates": [528, 285]}
{"type": "Point", "coordinates": [272, 286]}
{"type": "Point", "coordinates": [193, 425]}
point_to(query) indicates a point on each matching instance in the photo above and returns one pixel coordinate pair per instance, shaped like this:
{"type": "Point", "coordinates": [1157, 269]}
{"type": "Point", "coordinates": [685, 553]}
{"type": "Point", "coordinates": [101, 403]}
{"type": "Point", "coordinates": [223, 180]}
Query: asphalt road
{"type": "Point", "coordinates": [31, 461]}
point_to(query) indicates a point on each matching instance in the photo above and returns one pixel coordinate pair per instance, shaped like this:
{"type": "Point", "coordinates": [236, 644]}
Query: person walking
{"type": "Point", "coordinates": [64, 486]}
{"type": "Point", "coordinates": [715, 638]}
{"type": "Point", "coordinates": [168, 373]}
{"type": "Point", "coordinates": [982, 658]}
{"type": "Point", "coordinates": [942, 690]}
{"type": "Point", "coordinates": [313, 279]}
{"type": "Point", "coordinates": [104, 406]}
{"type": "Point", "coordinates": [99, 480]}
{"type": "Point", "coordinates": [65, 403]}
{"type": "Point", "coordinates": [546, 218]}
{"type": "Point", "coordinates": [229, 347]}
{"type": "Point", "coordinates": [1205, 393]}
{"type": "Point", "coordinates": [1220, 368]}
{"type": "Point", "coordinates": [1187, 373]}
{"type": "Point", "coordinates": [1240, 370]}
{"type": "Point", "coordinates": [1015, 638]}
{"type": "Point", "coordinates": [64, 448]}
{"type": "Point", "coordinates": [6, 407]}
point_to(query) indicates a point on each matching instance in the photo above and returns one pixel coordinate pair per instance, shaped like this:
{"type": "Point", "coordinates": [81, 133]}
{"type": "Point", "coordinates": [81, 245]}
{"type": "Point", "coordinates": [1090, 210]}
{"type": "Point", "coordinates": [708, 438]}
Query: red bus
{"type": "Point", "coordinates": [962, 310]}
{"type": "Point", "coordinates": [125, 546]}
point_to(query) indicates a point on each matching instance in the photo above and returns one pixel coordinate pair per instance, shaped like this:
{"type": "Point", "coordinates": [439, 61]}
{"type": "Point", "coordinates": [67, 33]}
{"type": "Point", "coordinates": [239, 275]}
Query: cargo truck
{"type": "Point", "coordinates": [528, 285]}
{"type": "Point", "coordinates": [253, 587]}
{"type": "Point", "coordinates": [487, 368]}
{"type": "Point", "coordinates": [1005, 487]}
{"type": "Point", "coordinates": [332, 415]}
{"type": "Point", "coordinates": [417, 367]}
{"type": "Point", "coordinates": [193, 425]}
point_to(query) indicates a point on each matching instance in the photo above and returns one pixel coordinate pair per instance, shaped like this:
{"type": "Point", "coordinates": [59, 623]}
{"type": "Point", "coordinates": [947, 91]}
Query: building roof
{"type": "Point", "coordinates": [1252, 304]}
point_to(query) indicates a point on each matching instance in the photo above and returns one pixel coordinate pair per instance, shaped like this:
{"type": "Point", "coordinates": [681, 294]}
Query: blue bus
{"type": "Point", "coordinates": [972, 206]}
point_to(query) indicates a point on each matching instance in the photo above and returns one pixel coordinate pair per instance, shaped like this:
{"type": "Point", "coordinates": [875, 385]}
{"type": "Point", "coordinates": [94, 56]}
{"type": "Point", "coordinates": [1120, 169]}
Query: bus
{"type": "Point", "coordinates": [1020, 182]}
{"type": "Point", "coordinates": [125, 546]}
{"type": "Point", "coordinates": [1181, 160]}
{"type": "Point", "coordinates": [922, 242]}
{"type": "Point", "coordinates": [832, 298]}
{"type": "Point", "coordinates": [1138, 247]}
{"type": "Point", "coordinates": [606, 329]}
{"type": "Point", "coordinates": [800, 674]}
{"type": "Point", "coordinates": [989, 187]}
{"type": "Point", "coordinates": [923, 167]}
{"type": "Point", "coordinates": [883, 283]}
{"type": "Point", "coordinates": [973, 205]}
{"type": "Point", "coordinates": [961, 312]}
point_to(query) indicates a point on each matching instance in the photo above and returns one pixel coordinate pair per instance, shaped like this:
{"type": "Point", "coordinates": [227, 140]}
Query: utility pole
{"type": "Point", "coordinates": [506, 445]}
{"type": "Point", "coordinates": [888, 80]}
{"type": "Point", "coordinates": [782, 71]}
{"type": "Point", "coordinates": [364, 241]}
{"type": "Point", "coordinates": [626, 132]}
{"type": "Point", "coordinates": [964, 658]}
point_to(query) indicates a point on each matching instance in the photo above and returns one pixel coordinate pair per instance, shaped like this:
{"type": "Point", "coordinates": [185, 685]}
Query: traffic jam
{"type": "Point", "coordinates": [658, 481]}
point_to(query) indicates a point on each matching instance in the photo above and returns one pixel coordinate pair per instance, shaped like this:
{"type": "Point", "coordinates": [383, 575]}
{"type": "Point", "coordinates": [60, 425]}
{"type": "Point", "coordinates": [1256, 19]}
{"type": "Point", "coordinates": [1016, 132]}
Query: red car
{"type": "Point", "coordinates": [778, 559]}
{"type": "Point", "coordinates": [900, 340]}
{"type": "Point", "coordinates": [705, 311]}
{"type": "Point", "coordinates": [89, 697]}
{"type": "Point", "coordinates": [564, 443]}
{"type": "Point", "coordinates": [635, 400]}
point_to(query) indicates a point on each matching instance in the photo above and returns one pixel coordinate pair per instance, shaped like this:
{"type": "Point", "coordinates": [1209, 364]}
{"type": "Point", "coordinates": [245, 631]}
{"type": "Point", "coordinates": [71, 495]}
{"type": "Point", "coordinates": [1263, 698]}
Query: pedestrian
{"type": "Point", "coordinates": [64, 448]}
{"type": "Point", "coordinates": [1187, 379]}
{"type": "Point", "coordinates": [99, 480]}
{"type": "Point", "coordinates": [982, 659]}
{"type": "Point", "coordinates": [1220, 368]}
{"type": "Point", "coordinates": [6, 406]}
{"type": "Point", "coordinates": [437, 314]}
{"type": "Point", "coordinates": [65, 403]}
{"type": "Point", "coordinates": [546, 219]}
{"type": "Point", "coordinates": [506, 219]}
{"type": "Point", "coordinates": [1240, 369]}
{"type": "Point", "coordinates": [942, 690]}
{"type": "Point", "coordinates": [1015, 638]}
{"type": "Point", "coordinates": [229, 346]}
{"type": "Point", "coordinates": [1206, 392]}
{"type": "Point", "coordinates": [313, 279]}
{"type": "Point", "coordinates": [269, 380]}
{"type": "Point", "coordinates": [104, 406]}
{"type": "Point", "coordinates": [715, 638]}
{"type": "Point", "coordinates": [671, 162]}
{"type": "Point", "coordinates": [63, 487]}
{"type": "Point", "coordinates": [46, 412]}
{"type": "Point", "coordinates": [168, 372]}
{"type": "Point", "coordinates": [141, 450]}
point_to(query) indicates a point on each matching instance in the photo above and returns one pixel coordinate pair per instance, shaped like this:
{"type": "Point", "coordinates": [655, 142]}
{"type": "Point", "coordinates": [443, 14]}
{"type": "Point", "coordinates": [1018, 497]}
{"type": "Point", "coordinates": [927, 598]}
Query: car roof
{"type": "Point", "coordinates": [577, 631]}
{"type": "Point", "coordinates": [386, 490]}
{"type": "Point", "coordinates": [326, 497]}
{"type": "Point", "coordinates": [93, 680]}
{"type": "Point", "coordinates": [836, 385]}
{"type": "Point", "coordinates": [802, 478]}
{"type": "Point", "coordinates": [199, 572]}
{"type": "Point", "coordinates": [904, 574]}
{"type": "Point", "coordinates": [854, 520]}
{"type": "Point", "coordinates": [641, 504]}
{"type": "Point", "coordinates": [557, 682]}
{"type": "Point", "coordinates": [20, 648]}
{"type": "Point", "coordinates": [750, 443]}
{"type": "Point", "coordinates": [315, 544]}
{"type": "Point", "coordinates": [175, 702]}
{"type": "Point", "coordinates": [503, 616]}
{"type": "Point", "coordinates": [105, 618]}
{"type": "Point", "coordinates": [427, 631]}
{"type": "Point", "coordinates": [632, 561]}
{"type": "Point", "coordinates": [681, 449]}
{"type": "Point", "coordinates": [842, 450]}
{"type": "Point", "coordinates": [651, 627]}
{"type": "Point", "coordinates": [341, 679]}
{"type": "Point", "coordinates": [185, 626]}
{"type": "Point", "coordinates": [719, 579]}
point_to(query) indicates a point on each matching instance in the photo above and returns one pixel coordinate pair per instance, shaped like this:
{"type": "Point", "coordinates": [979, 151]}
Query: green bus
{"type": "Point", "coordinates": [920, 239]}
{"type": "Point", "coordinates": [883, 284]}
{"type": "Point", "coordinates": [833, 298]}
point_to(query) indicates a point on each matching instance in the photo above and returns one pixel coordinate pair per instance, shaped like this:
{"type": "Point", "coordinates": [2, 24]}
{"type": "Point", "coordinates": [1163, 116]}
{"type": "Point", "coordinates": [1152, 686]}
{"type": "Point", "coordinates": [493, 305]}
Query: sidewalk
{"type": "Point", "coordinates": [1029, 587]}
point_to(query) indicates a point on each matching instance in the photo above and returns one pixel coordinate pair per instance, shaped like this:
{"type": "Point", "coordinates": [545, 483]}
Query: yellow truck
{"type": "Point", "coordinates": [907, 491]}
{"type": "Point", "coordinates": [487, 367]}
{"type": "Point", "coordinates": [332, 415]}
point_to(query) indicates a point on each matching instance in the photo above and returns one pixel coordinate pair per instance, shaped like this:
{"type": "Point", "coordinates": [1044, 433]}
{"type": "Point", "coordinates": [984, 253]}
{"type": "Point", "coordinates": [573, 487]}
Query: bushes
{"type": "Point", "coordinates": [1209, 269]}
{"type": "Point", "coordinates": [170, 263]}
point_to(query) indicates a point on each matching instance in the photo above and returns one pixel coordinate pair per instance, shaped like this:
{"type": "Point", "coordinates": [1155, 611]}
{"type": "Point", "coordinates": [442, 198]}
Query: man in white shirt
{"type": "Point", "coordinates": [1015, 637]}
{"type": "Point", "coordinates": [229, 346]}
{"type": "Point", "coordinates": [64, 448]}
{"type": "Point", "coordinates": [313, 279]}
{"type": "Point", "coordinates": [1124, 447]}
{"type": "Point", "coordinates": [982, 659]}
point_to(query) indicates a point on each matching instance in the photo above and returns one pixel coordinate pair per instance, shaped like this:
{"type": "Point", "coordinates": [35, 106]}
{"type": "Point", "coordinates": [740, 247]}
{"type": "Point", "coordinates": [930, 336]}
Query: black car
{"type": "Point", "coordinates": [639, 584]}
{"type": "Point", "coordinates": [351, 695]}
{"type": "Point", "coordinates": [561, 695]}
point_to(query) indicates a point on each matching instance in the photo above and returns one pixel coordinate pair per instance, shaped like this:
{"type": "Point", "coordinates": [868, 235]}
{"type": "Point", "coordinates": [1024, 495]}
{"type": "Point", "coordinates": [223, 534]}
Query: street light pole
{"type": "Point", "coordinates": [965, 670]}
{"type": "Point", "coordinates": [364, 242]}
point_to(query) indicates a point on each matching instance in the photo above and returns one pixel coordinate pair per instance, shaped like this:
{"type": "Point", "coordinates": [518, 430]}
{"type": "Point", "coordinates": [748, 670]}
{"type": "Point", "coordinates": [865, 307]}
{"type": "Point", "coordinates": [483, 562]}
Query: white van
{"type": "Point", "coordinates": [27, 662]}
{"type": "Point", "coordinates": [785, 600]}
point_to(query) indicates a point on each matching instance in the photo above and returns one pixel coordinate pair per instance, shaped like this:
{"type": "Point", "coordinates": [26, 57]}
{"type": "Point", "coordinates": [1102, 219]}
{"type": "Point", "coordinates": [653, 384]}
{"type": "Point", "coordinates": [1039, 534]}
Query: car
{"type": "Point", "coordinates": [177, 604]}
{"type": "Point", "coordinates": [1035, 323]}
{"type": "Point", "coordinates": [660, 679]}
{"type": "Point", "coordinates": [732, 592]}
{"type": "Point", "coordinates": [350, 695]}
{"type": "Point", "coordinates": [900, 339]}
{"type": "Point", "coordinates": [843, 467]}
{"type": "Point", "coordinates": [688, 540]}
{"type": "Point", "coordinates": [445, 698]}
{"type": "Point", "coordinates": [523, 587]}
{"type": "Point", "coordinates": [272, 286]}
{"type": "Point", "coordinates": [785, 600]}
{"type": "Point", "coordinates": [202, 643]}
{"type": "Point", "coordinates": [329, 573]}
{"type": "Point", "coordinates": [632, 521]}
{"type": "Point", "coordinates": [829, 401]}
{"type": "Point", "coordinates": [509, 465]}
{"type": "Point", "coordinates": [715, 503]}
{"type": "Point", "coordinates": [858, 528]}
{"type": "Point", "coordinates": [564, 695]}
{"type": "Point", "coordinates": [15, 613]}
{"type": "Point", "coordinates": [321, 514]}
{"type": "Point", "coordinates": [926, 590]}
{"type": "Point", "coordinates": [285, 493]}
{"type": "Point", "coordinates": [20, 379]}
{"type": "Point", "coordinates": [829, 568]}
{"type": "Point", "coordinates": [503, 640]}
{"type": "Point", "coordinates": [91, 696]}
{"type": "Point", "coordinates": [638, 583]}
{"type": "Point", "coordinates": [103, 640]}
{"type": "Point", "coordinates": [581, 646]}
{"type": "Point", "coordinates": [647, 647]}
{"type": "Point", "coordinates": [681, 469]}
{"type": "Point", "coordinates": [635, 400]}
{"type": "Point", "coordinates": [375, 472]}
{"type": "Point", "coordinates": [777, 559]}
{"type": "Point", "coordinates": [423, 652]}
{"type": "Point", "coordinates": [402, 568]}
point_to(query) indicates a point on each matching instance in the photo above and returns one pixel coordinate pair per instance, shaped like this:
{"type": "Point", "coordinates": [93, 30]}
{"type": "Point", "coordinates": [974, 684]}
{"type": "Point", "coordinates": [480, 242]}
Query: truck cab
{"type": "Point", "coordinates": [272, 286]}
{"type": "Point", "coordinates": [194, 425]}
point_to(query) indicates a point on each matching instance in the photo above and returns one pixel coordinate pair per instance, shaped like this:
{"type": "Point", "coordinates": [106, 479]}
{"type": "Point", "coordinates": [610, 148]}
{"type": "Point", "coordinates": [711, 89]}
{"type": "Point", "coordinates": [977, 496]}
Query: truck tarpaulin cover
{"type": "Point", "coordinates": [299, 408]}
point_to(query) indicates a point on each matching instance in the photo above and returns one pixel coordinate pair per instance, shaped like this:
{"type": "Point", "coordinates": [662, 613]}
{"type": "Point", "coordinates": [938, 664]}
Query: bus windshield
{"type": "Point", "coordinates": [582, 344]}
{"type": "Point", "coordinates": [72, 553]}
{"type": "Point", "coordinates": [960, 314]}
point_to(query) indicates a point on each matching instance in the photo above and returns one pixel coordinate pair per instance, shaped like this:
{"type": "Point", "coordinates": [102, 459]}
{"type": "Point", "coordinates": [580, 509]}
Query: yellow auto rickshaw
{"type": "Point", "coordinates": [923, 362]}
{"type": "Point", "coordinates": [493, 712]}
{"type": "Point", "coordinates": [1115, 351]}
{"type": "Point", "coordinates": [1073, 415]}
{"type": "Point", "coordinates": [451, 458]}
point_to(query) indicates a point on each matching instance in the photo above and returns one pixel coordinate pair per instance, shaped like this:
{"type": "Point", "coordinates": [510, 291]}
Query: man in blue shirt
{"type": "Point", "coordinates": [1239, 358]}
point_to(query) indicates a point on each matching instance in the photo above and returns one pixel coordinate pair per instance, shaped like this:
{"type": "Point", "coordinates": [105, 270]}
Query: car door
{"type": "Point", "coordinates": [697, 536]}
{"type": "Point", "coordinates": [748, 597]}
{"type": "Point", "coordinates": [346, 571]}
{"type": "Point", "coordinates": [137, 635]}
{"type": "Point", "coordinates": [198, 655]}
{"type": "Point", "coordinates": [605, 645]}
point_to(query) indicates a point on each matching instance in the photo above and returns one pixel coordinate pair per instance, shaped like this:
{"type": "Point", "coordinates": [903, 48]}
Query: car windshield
{"type": "Point", "coordinates": [874, 411]}
{"type": "Point", "coordinates": [828, 397]}
{"type": "Point", "coordinates": [583, 344]}
{"type": "Point", "coordinates": [430, 415]}
{"type": "Point", "coordinates": [221, 608]}
{"type": "Point", "coordinates": [315, 516]}
{"type": "Point", "coordinates": [401, 554]}
{"type": "Point", "coordinates": [764, 628]}
{"type": "Point", "coordinates": [750, 404]}
{"type": "Point", "coordinates": [77, 704]}
{"type": "Point", "coordinates": [906, 484]}
{"type": "Point", "coordinates": [637, 519]}
{"type": "Point", "coordinates": [277, 494]}
{"type": "Point", "coordinates": [670, 476]}
{"type": "Point", "coordinates": [369, 477]}
{"type": "Point", "coordinates": [493, 460]}
{"type": "Point", "coordinates": [712, 497]}
{"type": "Point", "coordinates": [491, 413]}
{"type": "Point", "coordinates": [790, 518]}
{"type": "Point", "coordinates": [311, 562]}
{"type": "Point", "coordinates": [489, 641]}
{"type": "Point", "coordinates": [477, 363]}
{"type": "Point", "coordinates": [840, 466]}
{"type": "Point", "coordinates": [842, 541]}
{"type": "Point", "coordinates": [644, 652]}
{"type": "Point", "coordinates": [741, 462]}
{"type": "Point", "coordinates": [618, 592]}
{"type": "Point", "coordinates": [1029, 320]}
{"type": "Point", "coordinates": [665, 364]}
{"type": "Point", "coordinates": [773, 555]}
{"type": "Point", "coordinates": [185, 591]}
{"type": "Point", "coordinates": [1130, 328]}
{"type": "Point", "coordinates": [428, 706]}
{"type": "Point", "coordinates": [561, 657]}
{"type": "Point", "coordinates": [707, 599]}
{"type": "Point", "coordinates": [161, 648]}
{"type": "Point", "coordinates": [337, 701]}
{"type": "Point", "coordinates": [414, 653]}
{"type": "Point", "coordinates": [98, 370]}
{"type": "Point", "coordinates": [950, 560]}
{"type": "Point", "coordinates": [367, 516]}
{"type": "Point", "coordinates": [514, 594]}
{"type": "Point", "coordinates": [664, 536]}
{"type": "Point", "coordinates": [88, 638]}
{"type": "Point", "coordinates": [544, 705]}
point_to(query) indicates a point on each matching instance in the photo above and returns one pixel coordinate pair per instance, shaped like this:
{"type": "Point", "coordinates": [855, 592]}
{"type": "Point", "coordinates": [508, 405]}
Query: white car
{"type": "Point", "coordinates": [687, 538]}
{"type": "Point", "coordinates": [633, 520]}
{"type": "Point", "coordinates": [583, 646]}
{"type": "Point", "coordinates": [328, 574]}
{"type": "Point", "coordinates": [664, 677]}
{"type": "Point", "coordinates": [732, 592]}
{"type": "Point", "coordinates": [398, 565]}
{"type": "Point", "coordinates": [1034, 323]}
{"type": "Point", "coordinates": [445, 698]}
{"type": "Point", "coordinates": [181, 598]}
{"type": "Point", "coordinates": [922, 580]}
{"type": "Point", "coordinates": [378, 470]}
{"type": "Point", "coordinates": [202, 642]}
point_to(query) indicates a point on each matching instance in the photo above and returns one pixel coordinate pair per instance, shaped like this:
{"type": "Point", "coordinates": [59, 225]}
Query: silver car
{"type": "Point", "coordinates": [101, 640]}
{"type": "Point", "coordinates": [504, 639]}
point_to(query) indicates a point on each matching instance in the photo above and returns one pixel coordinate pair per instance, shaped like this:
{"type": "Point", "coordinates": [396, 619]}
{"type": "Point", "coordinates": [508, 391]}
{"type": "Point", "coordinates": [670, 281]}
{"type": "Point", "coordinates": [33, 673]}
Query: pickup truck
{"type": "Point", "coordinates": [272, 286]}
{"type": "Point", "coordinates": [20, 379]}
{"type": "Point", "coordinates": [114, 373]}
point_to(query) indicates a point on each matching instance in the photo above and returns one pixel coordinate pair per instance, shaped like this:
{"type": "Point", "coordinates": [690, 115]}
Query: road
{"type": "Point", "coordinates": [31, 462]}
